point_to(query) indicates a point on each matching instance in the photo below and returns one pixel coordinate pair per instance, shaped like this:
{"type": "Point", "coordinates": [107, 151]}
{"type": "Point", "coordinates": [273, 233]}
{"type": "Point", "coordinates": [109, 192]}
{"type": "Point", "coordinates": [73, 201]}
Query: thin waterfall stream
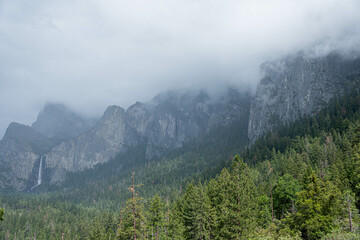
{"type": "Point", "coordinates": [39, 174]}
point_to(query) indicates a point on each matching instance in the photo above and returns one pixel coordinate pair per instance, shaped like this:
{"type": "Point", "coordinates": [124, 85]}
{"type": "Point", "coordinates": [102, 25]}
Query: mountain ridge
{"type": "Point", "coordinates": [166, 123]}
{"type": "Point", "coordinates": [291, 87]}
{"type": "Point", "coordinates": [296, 86]}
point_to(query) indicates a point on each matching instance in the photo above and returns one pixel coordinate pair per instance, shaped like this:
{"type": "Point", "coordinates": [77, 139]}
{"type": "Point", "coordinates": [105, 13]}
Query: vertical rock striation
{"type": "Point", "coordinates": [19, 150]}
{"type": "Point", "coordinates": [164, 124]}
{"type": "Point", "coordinates": [295, 86]}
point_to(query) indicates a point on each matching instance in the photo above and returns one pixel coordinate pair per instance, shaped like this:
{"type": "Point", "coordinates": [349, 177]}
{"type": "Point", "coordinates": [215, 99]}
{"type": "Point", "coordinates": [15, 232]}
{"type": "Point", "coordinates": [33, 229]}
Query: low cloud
{"type": "Point", "coordinates": [90, 54]}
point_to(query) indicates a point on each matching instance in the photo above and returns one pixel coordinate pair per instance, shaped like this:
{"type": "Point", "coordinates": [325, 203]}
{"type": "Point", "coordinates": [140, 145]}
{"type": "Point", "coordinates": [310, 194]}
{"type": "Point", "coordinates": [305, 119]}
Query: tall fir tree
{"type": "Point", "coordinates": [174, 224]}
{"type": "Point", "coordinates": [132, 225]}
{"type": "Point", "coordinates": [233, 194]}
{"type": "Point", "coordinates": [156, 218]}
{"type": "Point", "coordinates": [197, 214]}
{"type": "Point", "coordinates": [316, 208]}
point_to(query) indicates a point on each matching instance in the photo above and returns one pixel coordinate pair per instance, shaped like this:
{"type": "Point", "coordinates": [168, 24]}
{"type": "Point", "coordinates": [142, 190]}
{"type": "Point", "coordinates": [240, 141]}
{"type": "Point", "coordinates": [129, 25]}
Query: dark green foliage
{"type": "Point", "coordinates": [306, 173]}
{"type": "Point", "coordinates": [197, 213]}
{"type": "Point", "coordinates": [156, 218]}
{"type": "Point", "coordinates": [98, 232]}
{"type": "Point", "coordinates": [133, 222]}
{"type": "Point", "coordinates": [174, 225]}
{"type": "Point", "coordinates": [238, 205]}
{"type": "Point", "coordinates": [316, 208]}
{"type": "Point", "coordinates": [285, 195]}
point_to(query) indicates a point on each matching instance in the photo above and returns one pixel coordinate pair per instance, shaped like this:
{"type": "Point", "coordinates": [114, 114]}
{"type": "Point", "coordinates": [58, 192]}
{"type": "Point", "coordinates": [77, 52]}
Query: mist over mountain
{"type": "Point", "coordinates": [292, 87]}
{"type": "Point", "coordinates": [167, 122]}
{"type": "Point", "coordinates": [299, 85]}
{"type": "Point", "coordinates": [181, 119]}
{"type": "Point", "coordinates": [58, 123]}
{"type": "Point", "coordinates": [89, 55]}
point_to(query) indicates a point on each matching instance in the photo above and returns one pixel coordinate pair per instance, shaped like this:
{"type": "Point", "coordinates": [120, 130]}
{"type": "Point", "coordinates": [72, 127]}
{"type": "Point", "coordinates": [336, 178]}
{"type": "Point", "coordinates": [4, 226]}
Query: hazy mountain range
{"type": "Point", "coordinates": [291, 87]}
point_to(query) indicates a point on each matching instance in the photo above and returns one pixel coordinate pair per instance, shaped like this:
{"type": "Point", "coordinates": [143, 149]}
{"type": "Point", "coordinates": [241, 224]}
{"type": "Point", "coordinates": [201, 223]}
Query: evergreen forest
{"type": "Point", "coordinates": [300, 181]}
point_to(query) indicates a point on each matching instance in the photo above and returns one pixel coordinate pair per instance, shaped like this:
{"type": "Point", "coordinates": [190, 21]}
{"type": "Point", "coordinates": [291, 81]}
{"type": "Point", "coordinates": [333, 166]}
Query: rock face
{"type": "Point", "coordinates": [295, 86]}
{"type": "Point", "coordinates": [59, 123]}
{"type": "Point", "coordinates": [111, 135]}
{"type": "Point", "coordinates": [172, 119]}
{"type": "Point", "coordinates": [22, 145]}
{"type": "Point", "coordinates": [291, 87]}
{"type": "Point", "coordinates": [165, 123]}
{"type": "Point", "coordinates": [19, 150]}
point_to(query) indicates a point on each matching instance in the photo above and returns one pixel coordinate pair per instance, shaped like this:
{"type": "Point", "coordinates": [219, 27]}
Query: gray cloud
{"type": "Point", "coordinates": [91, 53]}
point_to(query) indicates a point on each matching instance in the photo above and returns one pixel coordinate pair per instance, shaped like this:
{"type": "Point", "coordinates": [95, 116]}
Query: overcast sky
{"type": "Point", "coordinates": [90, 54]}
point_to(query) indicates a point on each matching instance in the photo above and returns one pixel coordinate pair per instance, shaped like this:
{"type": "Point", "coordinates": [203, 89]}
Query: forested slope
{"type": "Point", "coordinates": [298, 181]}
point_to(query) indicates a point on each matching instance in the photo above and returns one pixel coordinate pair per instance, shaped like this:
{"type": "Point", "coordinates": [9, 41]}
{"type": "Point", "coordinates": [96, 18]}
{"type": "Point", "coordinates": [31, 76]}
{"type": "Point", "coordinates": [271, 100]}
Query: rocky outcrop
{"type": "Point", "coordinates": [291, 87]}
{"type": "Point", "coordinates": [22, 146]}
{"type": "Point", "coordinates": [111, 135]}
{"type": "Point", "coordinates": [168, 121]}
{"type": "Point", "coordinates": [165, 123]}
{"type": "Point", "coordinates": [295, 86]}
{"type": "Point", "coordinates": [59, 123]}
{"type": "Point", "coordinates": [172, 119]}
{"type": "Point", "coordinates": [19, 151]}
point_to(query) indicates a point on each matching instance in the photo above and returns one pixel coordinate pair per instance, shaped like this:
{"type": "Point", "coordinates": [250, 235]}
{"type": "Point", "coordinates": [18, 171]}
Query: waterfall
{"type": "Point", "coordinates": [40, 171]}
{"type": "Point", "coordinates": [39, 174]}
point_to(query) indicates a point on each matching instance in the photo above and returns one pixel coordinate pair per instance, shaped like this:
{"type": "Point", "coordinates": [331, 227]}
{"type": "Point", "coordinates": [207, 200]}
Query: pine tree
{"type": "Point", "coordinates": [110, 235]}
{"type": "Point", "coordinates": [285, 194]}
{"type": "Point", "coordinates": [316, 207]}
{"type": "Point", "coordinates": [133, 223]}
{"type": "Point", "coordinates": [1, 214]}
{"type": "Point", "coordinates": [242, 205]}
{"type": "Point", "coordinates": [349, 214]}
{"type": "Point", "coordinates": [98, 232]}
{"type": "Point", "coordinates": [174, 225]}
{"type": "Point", "coordinates": [234, 197]}
{"type": "Point", "coordinates": [197, 214]}
{"type": "Point", "coordinates": [356, 166]}
{"type": "Point", "coordinates": [156, 217]}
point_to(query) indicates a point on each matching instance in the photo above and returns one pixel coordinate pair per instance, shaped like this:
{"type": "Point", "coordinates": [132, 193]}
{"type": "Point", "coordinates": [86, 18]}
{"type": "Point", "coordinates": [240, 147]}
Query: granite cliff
{"type": "Point", "coordinates": [165, 123]}
{"type": "Point", "coordinates": [296, 86]}
{"type": "Point", "coordinates": [291, 87]}
{"type": "Point", "coordinates": [19, 151]}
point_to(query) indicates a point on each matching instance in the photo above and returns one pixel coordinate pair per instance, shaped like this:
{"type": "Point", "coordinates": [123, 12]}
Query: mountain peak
{"type": "Point", "coordinates": [112, 111]}
{"type": "Point", "coordinates": [24, 138]}
{"type": "Point", "coordinates": [16, 129]}
{"type": "Point", "coordinates": [58, 122]}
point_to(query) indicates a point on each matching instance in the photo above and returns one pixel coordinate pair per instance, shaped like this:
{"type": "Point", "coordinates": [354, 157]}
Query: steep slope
{"type": "Point", "coordinates": [164, 124]}
{"type": "Point", "coordinates": [19, 150]}
{"type": "Point", "coordinates": [296, 86]}
{"type": "Point", "coordinates": [57, 122]}
{"type": "Point", "coordinates": [172, 119]}
{"type": "Point", "coordinates": [111, 135]}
